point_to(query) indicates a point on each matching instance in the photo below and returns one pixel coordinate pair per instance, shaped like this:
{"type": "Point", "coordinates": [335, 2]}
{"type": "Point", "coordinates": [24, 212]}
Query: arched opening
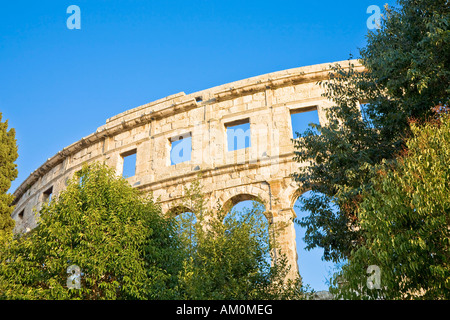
{"type": "Point", "coordinates": [314, 271]}
{"type": "Point", "coordinates": [244, 210]}
{"type": "Point", "coordinates": [245, 202]}
{"type": "Point", "coordinates": [186, 221]}
{"type": "Point", "coordinates": [247, 214]}
{"type": "Point", "coordinates": [177, 210]}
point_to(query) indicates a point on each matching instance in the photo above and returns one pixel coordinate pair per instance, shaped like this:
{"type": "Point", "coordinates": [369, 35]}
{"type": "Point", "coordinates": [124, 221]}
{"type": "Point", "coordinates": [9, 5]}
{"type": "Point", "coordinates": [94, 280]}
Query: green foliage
{"type": "Point", "coordinates": [127, 250]}
{"type": "Point", "coordinates": [124, 247]}
{"type": "Point", "coordinates": [230, 256]}
{"type": "Point", "coordinates": [407, 74]}
{"type": "Point", "coordinates": [8, 173]}
{"type": "Point", "coordinates": [405, 219]}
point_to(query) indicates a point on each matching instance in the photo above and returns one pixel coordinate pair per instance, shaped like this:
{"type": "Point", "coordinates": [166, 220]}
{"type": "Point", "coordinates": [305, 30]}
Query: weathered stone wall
{"type": "Point", "coordinates": [260, 171]}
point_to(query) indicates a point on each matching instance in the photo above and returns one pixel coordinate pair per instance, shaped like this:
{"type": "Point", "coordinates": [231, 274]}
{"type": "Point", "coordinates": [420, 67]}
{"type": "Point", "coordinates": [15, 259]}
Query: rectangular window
{"type": "Point", "coordinates": [301, 118]}
{"type": "Point", "coordinates": [129, 163]}
{"type": "Point", "coordinates": [238, 134]}
{"type": "Point", "coordinates": [47, 195]}
{"type": "Point", "coordinates": [180, 148]}
{"type": "Point", "coordinates": [20, 215]}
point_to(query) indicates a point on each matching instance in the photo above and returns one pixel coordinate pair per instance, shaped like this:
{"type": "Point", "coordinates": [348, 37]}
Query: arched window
{"type": "Point", "coordinates": [186, 224]}
{"type": "Point", "coordinates": [247, 215]}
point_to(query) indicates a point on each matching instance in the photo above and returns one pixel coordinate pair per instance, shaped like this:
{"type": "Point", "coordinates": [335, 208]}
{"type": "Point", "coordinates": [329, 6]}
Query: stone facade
{"type": "Point", "coordinates": [261, 171]}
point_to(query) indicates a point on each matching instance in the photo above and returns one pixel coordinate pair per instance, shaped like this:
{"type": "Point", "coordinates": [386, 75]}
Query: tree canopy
{"type": "Point", "coordinates": [405, 220]}
{"type": "Point", "coordinates": [101, 239]}
{"type": "Point", "coordinates": [8, 173]}
{"type": "Point", "coordinates": [406, 74]}
{"type": "Point", "coordinates": [120, 242]}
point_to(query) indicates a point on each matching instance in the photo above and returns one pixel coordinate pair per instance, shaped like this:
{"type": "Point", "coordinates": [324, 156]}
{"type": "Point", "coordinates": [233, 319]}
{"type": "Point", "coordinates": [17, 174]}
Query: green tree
{"type": "Point", "coordinates": [405, 219]}
{"type": "Point", "coordinates": [406, 74]}
{"type": "Point", "coordinates": [123, 246]}
{"type": "Point", "coordinates": [8, 173]}
{"type": "Point", "coordinates": [229, 255]}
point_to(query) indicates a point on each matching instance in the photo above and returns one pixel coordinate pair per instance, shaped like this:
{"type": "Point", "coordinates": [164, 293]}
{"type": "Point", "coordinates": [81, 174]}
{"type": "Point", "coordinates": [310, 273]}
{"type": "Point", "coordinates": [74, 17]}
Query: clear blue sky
{"type": "Point", "coordinates": [58, 85]}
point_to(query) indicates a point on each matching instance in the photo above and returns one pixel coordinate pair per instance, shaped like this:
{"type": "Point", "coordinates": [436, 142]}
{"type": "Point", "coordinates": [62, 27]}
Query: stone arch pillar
{"type": "Point", "coordinates": [283, 222]}
{"type": "Point", "coordinates": [283, 225]}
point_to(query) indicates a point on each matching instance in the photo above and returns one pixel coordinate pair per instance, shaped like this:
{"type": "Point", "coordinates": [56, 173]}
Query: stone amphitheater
{"type": "Point", "coordinates": [149, 132]}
